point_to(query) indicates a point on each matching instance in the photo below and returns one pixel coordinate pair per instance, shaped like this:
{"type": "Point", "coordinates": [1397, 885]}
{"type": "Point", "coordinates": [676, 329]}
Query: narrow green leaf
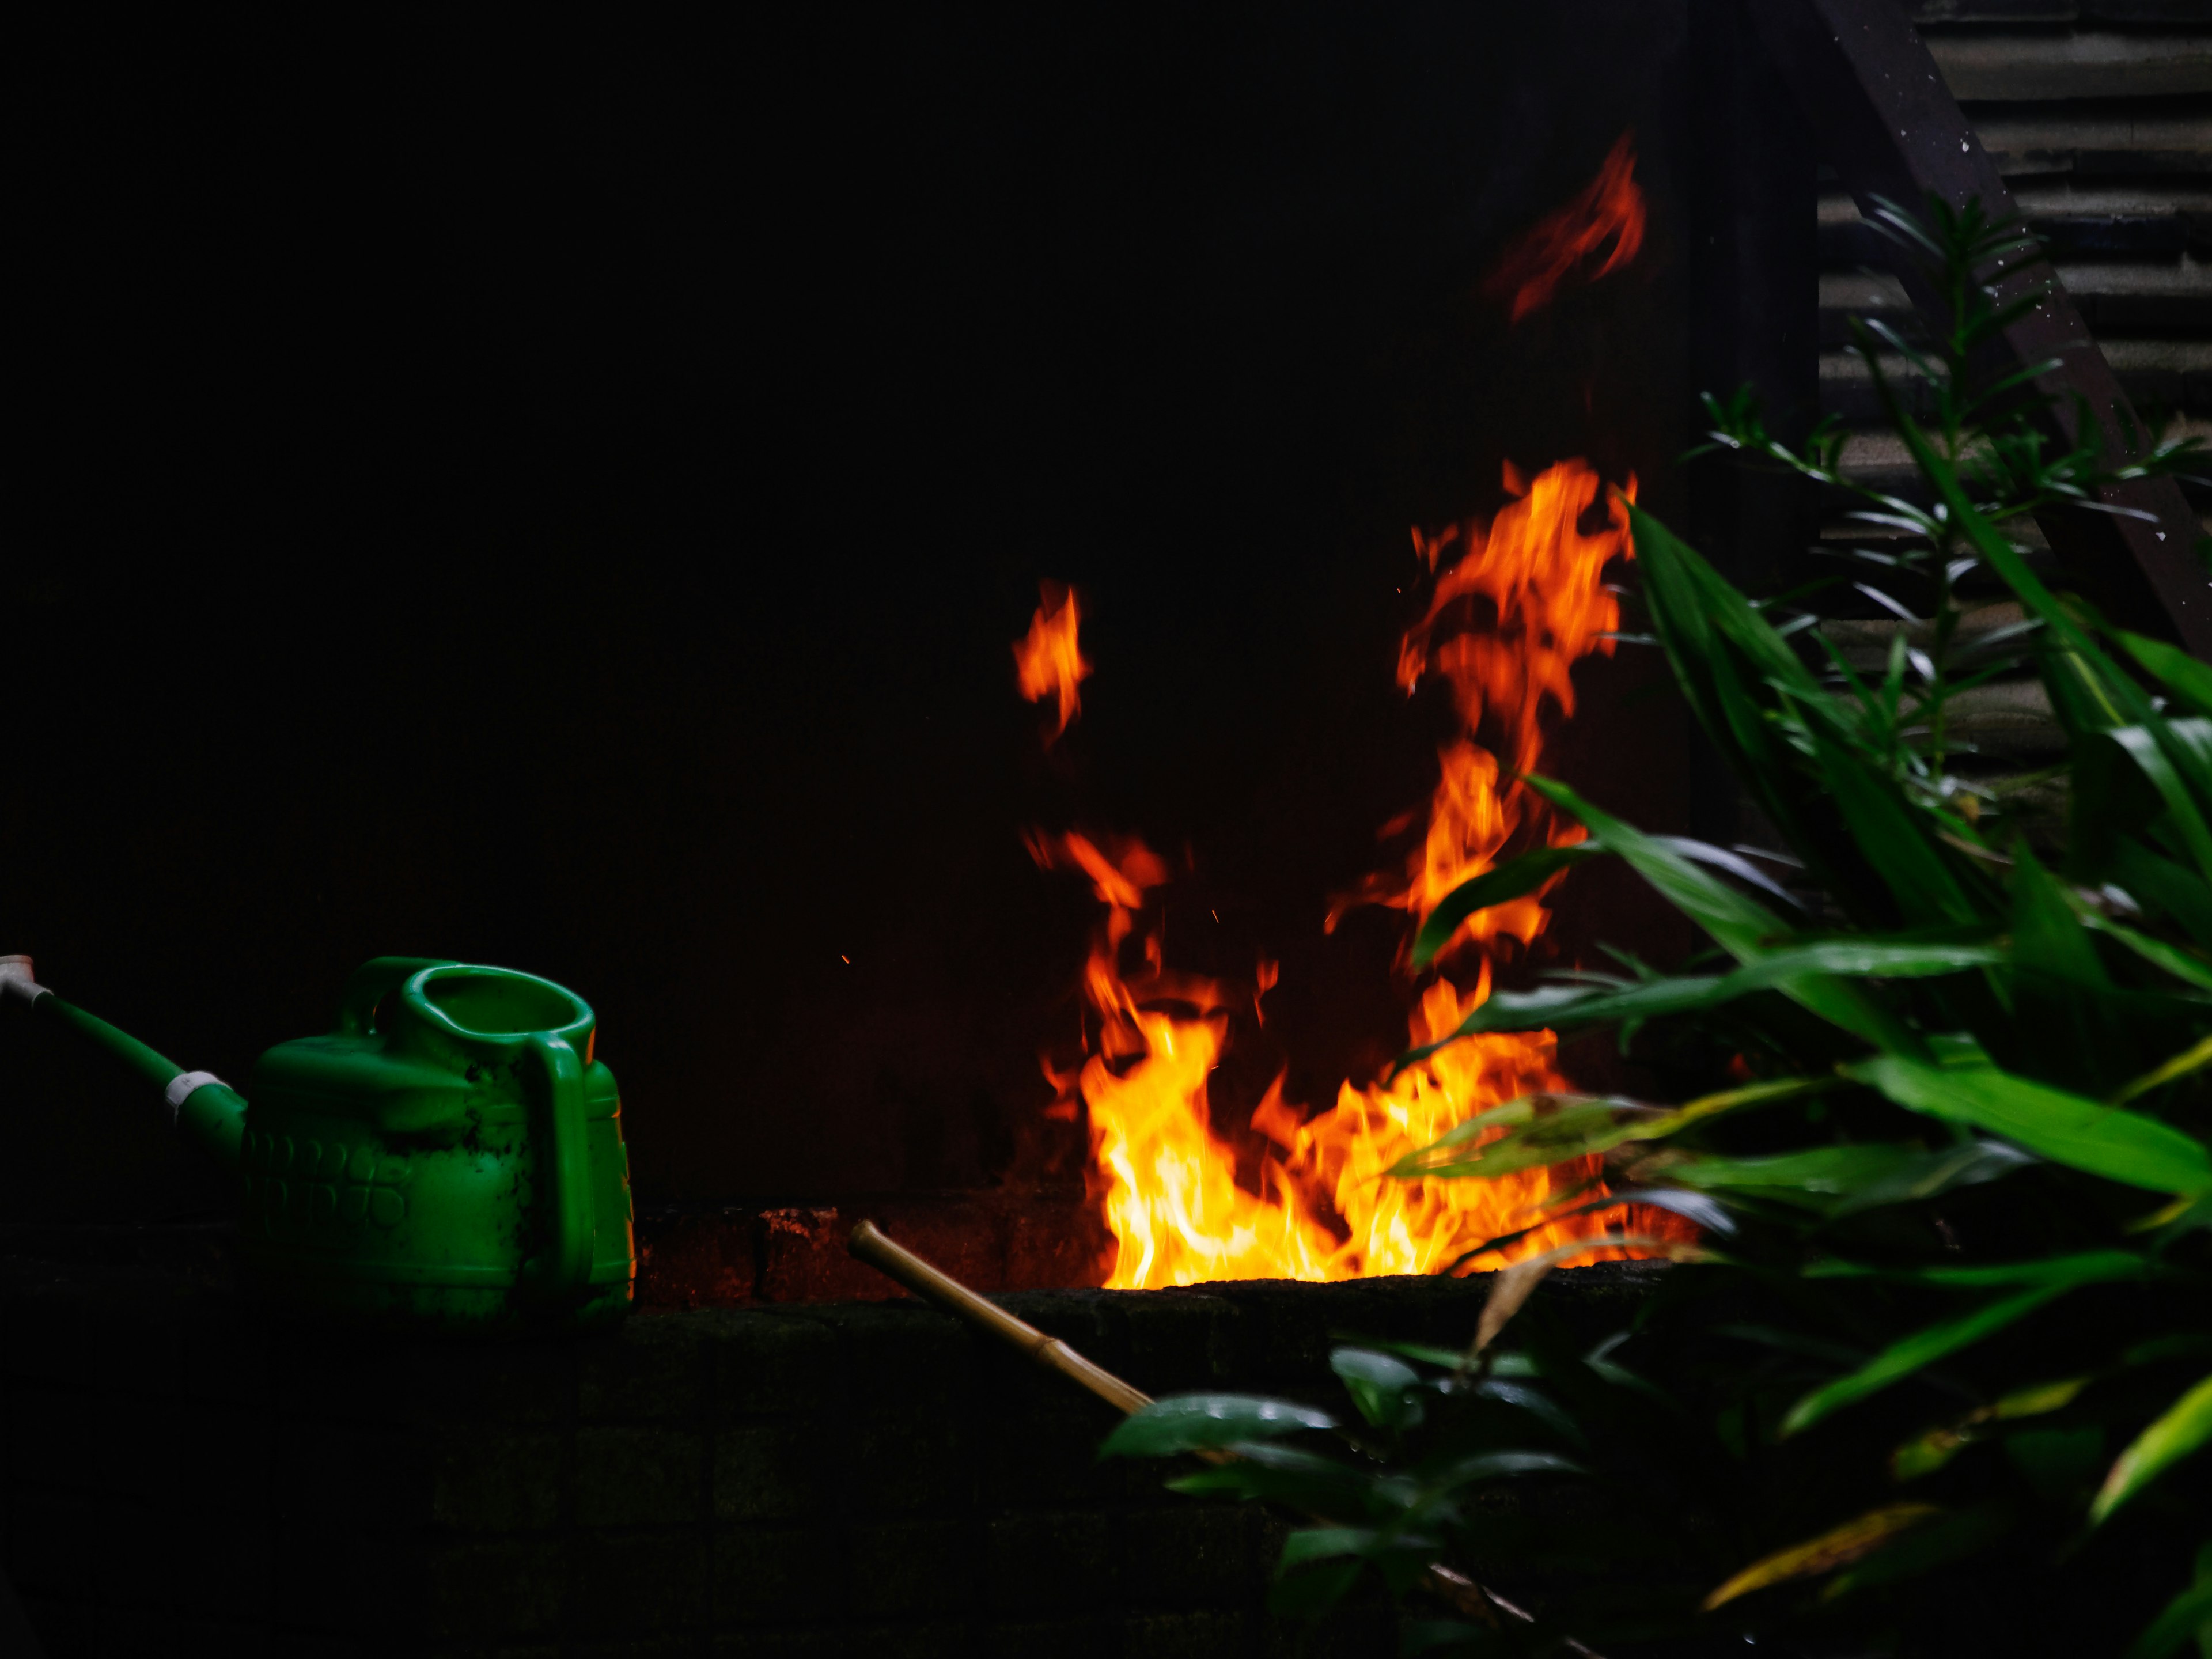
{"type": "Point", "coordinates": [2188, 1615]}
{"type": "Point", "coordinates": [2188, 679]}
{"type": "Point", "coordinates": [1836, 1547]}
{"type": "Point", "coordinates": [2191, 1059]}
{"type": "Point", "coordinates": [1899, 840]}
{"type": "Point", "coordinates": [2088, 1267]}
{"type": "Point", "coordinates": [1501, 1466]}
{"type": "Point", "coordinates": [1743, 927]}
{"type": "Point", "coordinates": [1845, 1180]}
{"type": "Point", "coordinates": [2165, 886]}
{"type": "Point", "coordinates": [1523, 875]}
{"type": "Point", "coordinates": [1190, 1422]}
{"type": "Point", "coordinates": [1922, 1549]}
{"type": "Point", "coordinates": [1969, 1164]}
{"type": "Point", "coordinates": [1901, 1359]}
{"type": "Point", "coordinates": [2084, 1134]}
{"type": "Point", "coordinates": [2046, 934]}
{"type": "Point", "coordinates": [2183, 1428]}
{"type": "Point", "coordinates": [2184, 966]}
{"type": "Point", "coordinates": [1570, 1007]}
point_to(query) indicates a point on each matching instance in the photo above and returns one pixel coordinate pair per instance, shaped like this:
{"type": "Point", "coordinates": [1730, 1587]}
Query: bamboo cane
{"type": "Point", "coordinates": [870, 1244]}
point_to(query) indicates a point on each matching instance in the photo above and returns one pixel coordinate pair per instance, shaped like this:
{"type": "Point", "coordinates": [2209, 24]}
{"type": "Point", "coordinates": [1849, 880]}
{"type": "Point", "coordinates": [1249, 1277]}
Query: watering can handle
{"type": "Point", "coordinates": [553, 1081]}
{"type": "Point", "coordinates": [371, 982]}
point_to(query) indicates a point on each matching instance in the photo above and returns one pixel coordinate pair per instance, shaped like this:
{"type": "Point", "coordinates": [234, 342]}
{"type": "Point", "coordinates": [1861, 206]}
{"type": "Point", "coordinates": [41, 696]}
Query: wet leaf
{"type": "Point", "coordinates": [1380, 1386]}
{"type": "Point", "coordinates": [1191, 1422]}
{"type": "Point", "coordinates": [2066, 1128]}
{"type": "Point", "coordinates": [2182, 1429]}
{"type": "Point", "coordinates": [1837, 1547]}
{"type": "Point", "coordinates": [1286, 1475]}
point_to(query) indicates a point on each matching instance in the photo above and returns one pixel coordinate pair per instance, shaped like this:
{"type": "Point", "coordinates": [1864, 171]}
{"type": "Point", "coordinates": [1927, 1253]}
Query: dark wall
{"type": "Point", "coordinates": [564, 500]}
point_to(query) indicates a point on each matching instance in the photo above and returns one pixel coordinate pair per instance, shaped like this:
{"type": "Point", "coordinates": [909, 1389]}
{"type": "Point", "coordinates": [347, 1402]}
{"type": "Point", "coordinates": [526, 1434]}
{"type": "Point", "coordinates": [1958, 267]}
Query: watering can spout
{"type": "Point", "coordinates": [201, 1105]}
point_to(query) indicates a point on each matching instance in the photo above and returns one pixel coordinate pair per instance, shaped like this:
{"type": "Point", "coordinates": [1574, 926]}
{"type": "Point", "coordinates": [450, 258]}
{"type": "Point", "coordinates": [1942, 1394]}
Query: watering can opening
{"type": "Point", "coordinates": [497, 1002]}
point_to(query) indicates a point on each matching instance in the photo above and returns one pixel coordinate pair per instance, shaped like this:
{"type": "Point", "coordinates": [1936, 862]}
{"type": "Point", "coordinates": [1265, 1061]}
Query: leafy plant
{"type": "Point", "coordinates": [1937, 1378]}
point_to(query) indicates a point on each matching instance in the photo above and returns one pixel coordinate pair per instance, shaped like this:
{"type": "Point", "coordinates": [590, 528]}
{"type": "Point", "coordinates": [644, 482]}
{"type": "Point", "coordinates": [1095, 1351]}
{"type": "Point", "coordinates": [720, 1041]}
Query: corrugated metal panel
{"type": "Point", "coordinates": [2099, 116]}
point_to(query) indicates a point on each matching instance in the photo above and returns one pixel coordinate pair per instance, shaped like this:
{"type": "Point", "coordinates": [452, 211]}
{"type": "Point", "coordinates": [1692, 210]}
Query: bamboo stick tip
{"type": "Point", "coordinates": [865, 1233]}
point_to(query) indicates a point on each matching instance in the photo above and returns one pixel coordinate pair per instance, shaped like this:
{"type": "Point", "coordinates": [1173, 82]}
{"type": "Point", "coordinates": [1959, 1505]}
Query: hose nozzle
{"type": "Point", "coordinates": [15, 980]}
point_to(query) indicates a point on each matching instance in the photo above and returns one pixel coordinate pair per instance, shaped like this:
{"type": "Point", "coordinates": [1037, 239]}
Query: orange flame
{"type": "Point", "coordinates": [1524, 601]}
{"type": "Point", "coordinates": [1609, 207]}
{"type": "Point", "coordinates": [1048, 661]}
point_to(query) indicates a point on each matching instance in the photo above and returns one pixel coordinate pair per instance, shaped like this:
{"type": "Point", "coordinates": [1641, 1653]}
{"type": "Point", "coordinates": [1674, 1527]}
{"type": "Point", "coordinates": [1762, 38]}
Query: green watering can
{"type": "Point", "coordinates": [449, 1158]}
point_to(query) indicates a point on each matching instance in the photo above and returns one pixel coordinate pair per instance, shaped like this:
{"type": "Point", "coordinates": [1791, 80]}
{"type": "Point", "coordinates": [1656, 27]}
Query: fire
{"type": "Point", "coordinates": [1610, 208]}
{"type": "Point", "coordinates": [1047, 661]}
{"type": "Point", "coordinates": [1524, 600]}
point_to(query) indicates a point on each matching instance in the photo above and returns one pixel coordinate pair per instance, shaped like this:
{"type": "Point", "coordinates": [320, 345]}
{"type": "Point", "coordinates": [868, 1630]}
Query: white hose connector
{"type": "Point", "coordinates": [15, 980]}
{"type": "Point", "coordinates": [181, 1087]}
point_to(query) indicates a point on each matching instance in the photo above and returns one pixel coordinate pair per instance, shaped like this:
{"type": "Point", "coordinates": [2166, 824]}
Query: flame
{"type": "Point", "coordinates": [1524, 600]}
{"type": "Point", "coordinates": [1048, 662]}
{"type": "Point", "coordinates": [1609, 207]}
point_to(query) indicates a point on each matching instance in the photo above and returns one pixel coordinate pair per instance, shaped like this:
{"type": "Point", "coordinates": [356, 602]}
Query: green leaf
{"type": "Point", "coordinates": [1380, 1386]}
{"type": "Point", "coordinates": [1194, 1422]}
{"type": "Point", "coordinates": [1818, 1173]}
{"type": "Point", "coordinates": [2171, 959]}
{"type": "Point", "coordinates": [1743, 927]}
{"type": "Point", "coordinates": [1286, 1475]}
{"type": "Point", "coordinates": [2047, 935]}
{"type": "Point", "coordinates": [1428, 1354]}
{"type": "Point", "coordinates": [1500, 1466]}
{"type": "Point", "coordinates": [2159, 757]}
{"type": "Point", "coordinates": [1521, 1396]}
{"type": "Point", "coordinates": [2088, 1267]}
{"type": "Point", "coordinates": [2164, 885]}
{"type": "Point", "coordinates": [2084, 1134]}
{"type": "Point", "coordinates": [1512, 880]}
{"type": "Point", "coordinates": [1969, 1164]}
{"type": "Point", "coordinates": [2183, 1428]}
{"type": "Point", "coordinates": [1323, 1543]}
{"type": "Point", "coordinates": [2188, 679]}
{"type": "Point", "coordinates": [1901, 1359]}
{"type": "Point", "coordinates": [1840, 1181]}
{"type": "Point", "coordinates": [1836, 1547]}
{"type": "Point", "coordinates": [1898, 840]}
{"type": "Point", "coordinates": [1568, 1008]}
{"type": "Point", "coordinates": [2189, 1615]}
{"type": "Point", "coordinates": [2188, 1059]}
{"type": "Point", "coordinates": [1922, 1549]}
{"type": "Point", "coordinates": [1577, 1127]}
{"type": "Point", "coordinates": [2058, 1463]}
{"type": "Point", "coordinates": [1313, 1593]}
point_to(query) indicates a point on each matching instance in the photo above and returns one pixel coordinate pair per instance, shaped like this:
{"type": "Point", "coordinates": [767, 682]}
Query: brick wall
{"type": "Point", "coordinates": [181, 1473]}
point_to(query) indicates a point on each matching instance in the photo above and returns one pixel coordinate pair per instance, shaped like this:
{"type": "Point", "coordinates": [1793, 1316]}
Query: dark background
{"type": "Point", "coordinates": [564, 500]}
